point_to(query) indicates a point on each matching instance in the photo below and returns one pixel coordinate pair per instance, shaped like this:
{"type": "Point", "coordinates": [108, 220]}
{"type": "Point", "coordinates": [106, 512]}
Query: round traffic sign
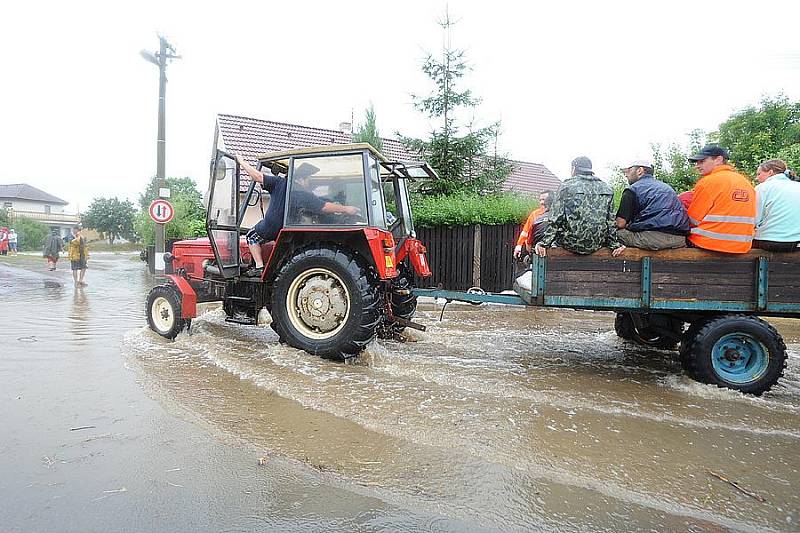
{"type": "Point", "coordinates": [161, 211]}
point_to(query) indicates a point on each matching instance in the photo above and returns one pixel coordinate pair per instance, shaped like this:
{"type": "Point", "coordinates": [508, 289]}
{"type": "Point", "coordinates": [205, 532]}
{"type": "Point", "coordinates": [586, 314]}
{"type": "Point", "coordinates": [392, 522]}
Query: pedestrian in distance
{"type": "Point", "coordinates": [4, 241]}
{"type": "Point", "coordinates": [650, 215]}
{"type": "Point", "coordinates": [12, 241]}
{"type": "Point", "coordinates": [52, 248]}
{"type": "Point", "coordinates": [777, 207]}
{"type": "Point", "coordinates": [723, 209]}
{"type": "Point", "coordinates": [78, 256]}
{"type": "Point", "coordinates": [582, 216]}
{"type": "Point", "coordinates": [534, 226]}
{"type": "Point", "coordinates": [267, 229]}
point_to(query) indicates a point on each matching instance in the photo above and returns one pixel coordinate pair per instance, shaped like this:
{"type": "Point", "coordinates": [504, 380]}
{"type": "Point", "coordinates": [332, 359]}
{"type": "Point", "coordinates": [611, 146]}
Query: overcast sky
{"type": "Point", "coordinates": [602, 79]}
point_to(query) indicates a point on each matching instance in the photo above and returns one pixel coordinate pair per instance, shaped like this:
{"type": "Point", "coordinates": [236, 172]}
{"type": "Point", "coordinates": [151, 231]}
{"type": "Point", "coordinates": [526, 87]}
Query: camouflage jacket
{"type": "Point", "coordinates": [582, 216]}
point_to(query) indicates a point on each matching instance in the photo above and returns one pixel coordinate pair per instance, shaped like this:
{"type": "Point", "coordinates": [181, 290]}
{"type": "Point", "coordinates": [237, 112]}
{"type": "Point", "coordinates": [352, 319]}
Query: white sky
{"type": "Point", "coordinates": [78, 105]}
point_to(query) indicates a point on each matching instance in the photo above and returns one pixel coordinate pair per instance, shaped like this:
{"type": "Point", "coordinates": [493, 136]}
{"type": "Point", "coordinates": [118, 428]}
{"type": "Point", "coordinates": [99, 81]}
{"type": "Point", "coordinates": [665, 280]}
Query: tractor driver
{"type": "Point", "coordinates": [267, 229]}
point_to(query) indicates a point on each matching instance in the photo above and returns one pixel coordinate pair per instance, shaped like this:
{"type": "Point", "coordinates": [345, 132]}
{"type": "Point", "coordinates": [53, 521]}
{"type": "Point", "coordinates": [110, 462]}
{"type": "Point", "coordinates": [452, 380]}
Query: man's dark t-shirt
{"type": "Point", "coordinates": [271, 224]}
{"type": "Point", "coordinates": [627, 206]}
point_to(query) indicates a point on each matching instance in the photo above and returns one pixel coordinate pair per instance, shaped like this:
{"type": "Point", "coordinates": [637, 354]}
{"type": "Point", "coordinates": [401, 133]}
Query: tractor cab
{"type": "Point", "coordinates": [335, 189]}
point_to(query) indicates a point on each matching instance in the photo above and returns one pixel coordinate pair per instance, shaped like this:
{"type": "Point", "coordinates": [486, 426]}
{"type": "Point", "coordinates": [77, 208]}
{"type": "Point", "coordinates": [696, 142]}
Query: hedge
{"type": "Point", "coordinates": [469, 209]}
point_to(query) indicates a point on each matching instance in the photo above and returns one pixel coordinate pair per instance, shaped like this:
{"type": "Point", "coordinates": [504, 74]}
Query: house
{"type": "Point", "coordinates": [23, 200]}
{"type": "Point", "coordinates": [251, 137]}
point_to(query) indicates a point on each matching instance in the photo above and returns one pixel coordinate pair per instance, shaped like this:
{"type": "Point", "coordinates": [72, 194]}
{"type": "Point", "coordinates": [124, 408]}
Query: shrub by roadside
{"type": "Point", "coordinates": [468, 209]}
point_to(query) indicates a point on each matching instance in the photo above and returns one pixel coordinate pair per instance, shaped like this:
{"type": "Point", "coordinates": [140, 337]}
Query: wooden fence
{"type": "Point", "coordinates": [470, 256]}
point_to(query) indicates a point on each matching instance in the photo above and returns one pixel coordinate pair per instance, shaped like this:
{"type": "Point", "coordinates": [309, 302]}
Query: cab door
{"type": "Point", "coordinates": [222, 215]}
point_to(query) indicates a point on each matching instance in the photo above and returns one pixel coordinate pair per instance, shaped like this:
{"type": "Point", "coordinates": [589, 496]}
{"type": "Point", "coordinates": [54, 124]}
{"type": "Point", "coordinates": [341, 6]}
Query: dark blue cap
{"type": "Point", "coordinates": [710, 150]}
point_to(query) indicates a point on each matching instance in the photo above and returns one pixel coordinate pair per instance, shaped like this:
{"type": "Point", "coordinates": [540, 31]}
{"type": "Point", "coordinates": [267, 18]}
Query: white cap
{"type": "Point", "coordinates": [639, 163]}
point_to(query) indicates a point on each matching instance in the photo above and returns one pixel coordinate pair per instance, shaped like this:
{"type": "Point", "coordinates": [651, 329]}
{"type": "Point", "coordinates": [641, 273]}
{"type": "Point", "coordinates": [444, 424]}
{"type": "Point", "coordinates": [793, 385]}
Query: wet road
{"type": "Point", "coordinates": [495, 419]}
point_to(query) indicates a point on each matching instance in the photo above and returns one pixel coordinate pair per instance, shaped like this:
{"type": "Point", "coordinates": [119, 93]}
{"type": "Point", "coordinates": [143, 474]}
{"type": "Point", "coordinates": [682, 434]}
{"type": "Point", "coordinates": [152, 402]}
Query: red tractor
{"type": "Point", "coordinates": [331, 282]}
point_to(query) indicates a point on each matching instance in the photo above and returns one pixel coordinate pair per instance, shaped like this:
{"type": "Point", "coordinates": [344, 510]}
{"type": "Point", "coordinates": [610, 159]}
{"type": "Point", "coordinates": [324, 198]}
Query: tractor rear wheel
{"type": "Point", "coordinates": [740, 352]}
{"type": "Point", "coordinates": [325, 302]}
{"type": "Point", "coordinates": [403, 305]}
{"type": "Point", "coordinates": [163, 311]}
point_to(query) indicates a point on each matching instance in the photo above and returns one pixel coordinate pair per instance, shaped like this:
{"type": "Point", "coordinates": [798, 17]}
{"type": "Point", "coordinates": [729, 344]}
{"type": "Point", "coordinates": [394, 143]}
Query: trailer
{"type": "Point", "coordinates": [707, 304]}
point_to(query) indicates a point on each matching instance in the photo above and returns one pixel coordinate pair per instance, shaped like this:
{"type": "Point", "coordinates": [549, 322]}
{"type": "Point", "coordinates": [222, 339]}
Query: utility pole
{"type": "Point", "coordinates": [165, 52]}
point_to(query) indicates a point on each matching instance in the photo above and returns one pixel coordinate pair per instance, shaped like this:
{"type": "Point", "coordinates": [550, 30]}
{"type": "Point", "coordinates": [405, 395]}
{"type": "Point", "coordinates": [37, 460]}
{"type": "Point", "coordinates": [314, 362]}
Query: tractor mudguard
{"type": "Point", "coordinates": [415, 251]}
{"type": "Point", "coordinates": [188, 296]}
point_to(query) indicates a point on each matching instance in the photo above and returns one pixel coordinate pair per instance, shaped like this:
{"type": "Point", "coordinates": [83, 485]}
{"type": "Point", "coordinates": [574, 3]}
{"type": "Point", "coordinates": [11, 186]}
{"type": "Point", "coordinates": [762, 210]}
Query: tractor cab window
{"type": "Point", "coordinates": [318, 184]}
{"type": "Point", "coordinates": [376, 201]}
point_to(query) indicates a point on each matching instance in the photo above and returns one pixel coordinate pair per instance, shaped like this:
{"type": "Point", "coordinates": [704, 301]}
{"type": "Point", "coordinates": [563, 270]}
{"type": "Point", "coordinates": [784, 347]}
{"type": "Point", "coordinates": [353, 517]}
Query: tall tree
{"type": "Point", "coordinates": [111, 216]}
{"type": "Point", "coordinates": [763, 132]}
{"type": "Point", "coordinates": [368, 131]}
{"type": "Point", "coordinates": [465, 163]}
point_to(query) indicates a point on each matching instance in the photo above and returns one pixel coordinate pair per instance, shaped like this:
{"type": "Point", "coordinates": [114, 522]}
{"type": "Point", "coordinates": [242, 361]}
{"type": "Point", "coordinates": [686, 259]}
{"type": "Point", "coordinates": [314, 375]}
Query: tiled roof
{"type": "Point", "coordinates": [531, 178]}
{"type": "Point", "coordinates": [251, 137]}
{"type": "Point", "coordinates": [23, 191]}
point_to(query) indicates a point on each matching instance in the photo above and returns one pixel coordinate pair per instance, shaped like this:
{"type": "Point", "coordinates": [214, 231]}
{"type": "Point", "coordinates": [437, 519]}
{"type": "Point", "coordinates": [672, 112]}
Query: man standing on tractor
{"type": "Point", "coordinates": [268, 228]}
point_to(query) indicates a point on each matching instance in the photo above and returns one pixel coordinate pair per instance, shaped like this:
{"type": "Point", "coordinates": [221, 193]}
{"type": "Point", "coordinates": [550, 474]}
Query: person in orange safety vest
{"type": "Point", "coordinates": [722, 212]}
{"type": "Point", "coordinates": [528, 229]}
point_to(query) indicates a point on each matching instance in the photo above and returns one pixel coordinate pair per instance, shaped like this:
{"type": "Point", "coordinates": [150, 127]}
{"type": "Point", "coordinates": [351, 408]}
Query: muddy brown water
{"type": "Point", "coordinates": [496, 418]}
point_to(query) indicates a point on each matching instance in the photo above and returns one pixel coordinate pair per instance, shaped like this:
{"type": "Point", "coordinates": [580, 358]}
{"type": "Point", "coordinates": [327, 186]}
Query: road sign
{"type": "Point", "coordinates": [161, 211]}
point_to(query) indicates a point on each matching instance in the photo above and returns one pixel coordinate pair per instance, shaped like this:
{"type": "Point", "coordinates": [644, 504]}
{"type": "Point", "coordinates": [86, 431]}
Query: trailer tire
{"type": "Point", "coordinates": [403, 305]}
{"type": "Point", "coordinates": [325, 302]}
{"type": "Point", "coordinates": [163, 310]}
{"type": "Point", "coordinates": [740, 352]}
{"type": "Point", "coordinates": [685, 348]}
{"type": "Point", "coordinates": [626, 329]}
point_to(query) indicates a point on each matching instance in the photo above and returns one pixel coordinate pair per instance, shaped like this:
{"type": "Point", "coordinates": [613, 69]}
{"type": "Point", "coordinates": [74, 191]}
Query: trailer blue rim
{"type": "Point", "coordinates": [739, 358]}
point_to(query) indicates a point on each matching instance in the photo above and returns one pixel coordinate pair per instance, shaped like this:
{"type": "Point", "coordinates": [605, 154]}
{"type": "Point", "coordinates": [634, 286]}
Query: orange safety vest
{"type": "Point", "coordinates": [526, 228]}
{"type": "Point", "coordinates": [723, 212]}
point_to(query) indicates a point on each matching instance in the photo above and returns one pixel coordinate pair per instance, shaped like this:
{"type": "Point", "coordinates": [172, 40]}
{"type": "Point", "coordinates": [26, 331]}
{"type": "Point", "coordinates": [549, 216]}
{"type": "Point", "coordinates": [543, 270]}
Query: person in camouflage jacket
{"type": "Point", "coordinates": [582, 215]}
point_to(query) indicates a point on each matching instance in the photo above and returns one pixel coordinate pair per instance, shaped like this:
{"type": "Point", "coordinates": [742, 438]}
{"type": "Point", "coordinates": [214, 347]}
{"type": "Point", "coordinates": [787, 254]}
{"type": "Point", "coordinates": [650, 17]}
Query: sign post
{"type": "Point", "coordinates": [161, 211]}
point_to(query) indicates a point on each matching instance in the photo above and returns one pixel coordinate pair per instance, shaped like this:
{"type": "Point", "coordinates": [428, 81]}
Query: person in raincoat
{"type": "Point", "coordinates": [78, 256]}
{"type": "Point", "coordinates": [52, 247]}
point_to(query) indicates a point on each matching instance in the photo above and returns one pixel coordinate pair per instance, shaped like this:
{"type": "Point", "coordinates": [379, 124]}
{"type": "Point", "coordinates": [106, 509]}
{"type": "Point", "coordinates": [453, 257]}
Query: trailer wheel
{"type": "Point", "coordinates": [626, 328]}
{"type": "Point", "coordinates": [685, 348]}
{"type": "Point", "coordinates": [740, 352]}
{"type": "Point", "coordinates": [324, 302]}
{"type": "Point", "coordinates": [163, 309]}
{"type": "Point", "coordinates": [403, 305]}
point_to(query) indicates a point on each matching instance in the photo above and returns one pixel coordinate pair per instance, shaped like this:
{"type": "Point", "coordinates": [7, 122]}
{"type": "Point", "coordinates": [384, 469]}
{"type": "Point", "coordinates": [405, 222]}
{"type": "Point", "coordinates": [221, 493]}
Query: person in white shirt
{"type": "Point", "coordinates": [777, 213]}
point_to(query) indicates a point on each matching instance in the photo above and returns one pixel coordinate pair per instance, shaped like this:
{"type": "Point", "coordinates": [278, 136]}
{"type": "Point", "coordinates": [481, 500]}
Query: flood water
{"type": "Point", "coordinates": [496, 418]}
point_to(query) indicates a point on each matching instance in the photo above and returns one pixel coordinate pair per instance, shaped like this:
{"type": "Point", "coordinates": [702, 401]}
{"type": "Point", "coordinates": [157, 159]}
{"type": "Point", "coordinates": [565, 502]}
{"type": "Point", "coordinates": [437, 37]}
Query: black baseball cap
{"type": "Point", "coordinates": [710, 150]}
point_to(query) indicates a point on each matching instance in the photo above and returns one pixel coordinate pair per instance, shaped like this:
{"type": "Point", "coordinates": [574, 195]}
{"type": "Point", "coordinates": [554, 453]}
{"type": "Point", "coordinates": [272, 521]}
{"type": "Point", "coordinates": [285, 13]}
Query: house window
{"type": "Point", "coordinates": [47, 209]}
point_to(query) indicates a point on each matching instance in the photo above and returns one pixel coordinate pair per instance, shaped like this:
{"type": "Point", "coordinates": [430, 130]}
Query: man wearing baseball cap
{"type": "Point", "coordinates": [650, 215]}
{"type": "Point", "coordinates": [723, 209]}
{"type": "Point", "coordinates": [582, 215]}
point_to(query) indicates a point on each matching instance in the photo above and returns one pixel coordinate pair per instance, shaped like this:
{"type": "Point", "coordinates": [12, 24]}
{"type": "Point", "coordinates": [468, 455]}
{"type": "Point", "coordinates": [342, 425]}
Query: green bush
{"type": "Point", "coordinates": [31, 233]}
{"type": "Point", "coordinates": [467, 209]}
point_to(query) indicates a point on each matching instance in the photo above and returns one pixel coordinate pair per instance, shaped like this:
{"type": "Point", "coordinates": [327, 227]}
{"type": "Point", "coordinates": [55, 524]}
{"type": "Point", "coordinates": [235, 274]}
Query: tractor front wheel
{"type": "Point", "coordinates": [325, 302]}
{"type": "Point", "coordinates": [163, 311]}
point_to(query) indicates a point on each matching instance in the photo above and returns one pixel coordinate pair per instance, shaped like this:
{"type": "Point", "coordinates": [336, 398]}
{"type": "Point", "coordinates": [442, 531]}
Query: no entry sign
{"type": "Point", "coordinates": [161, 211]}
